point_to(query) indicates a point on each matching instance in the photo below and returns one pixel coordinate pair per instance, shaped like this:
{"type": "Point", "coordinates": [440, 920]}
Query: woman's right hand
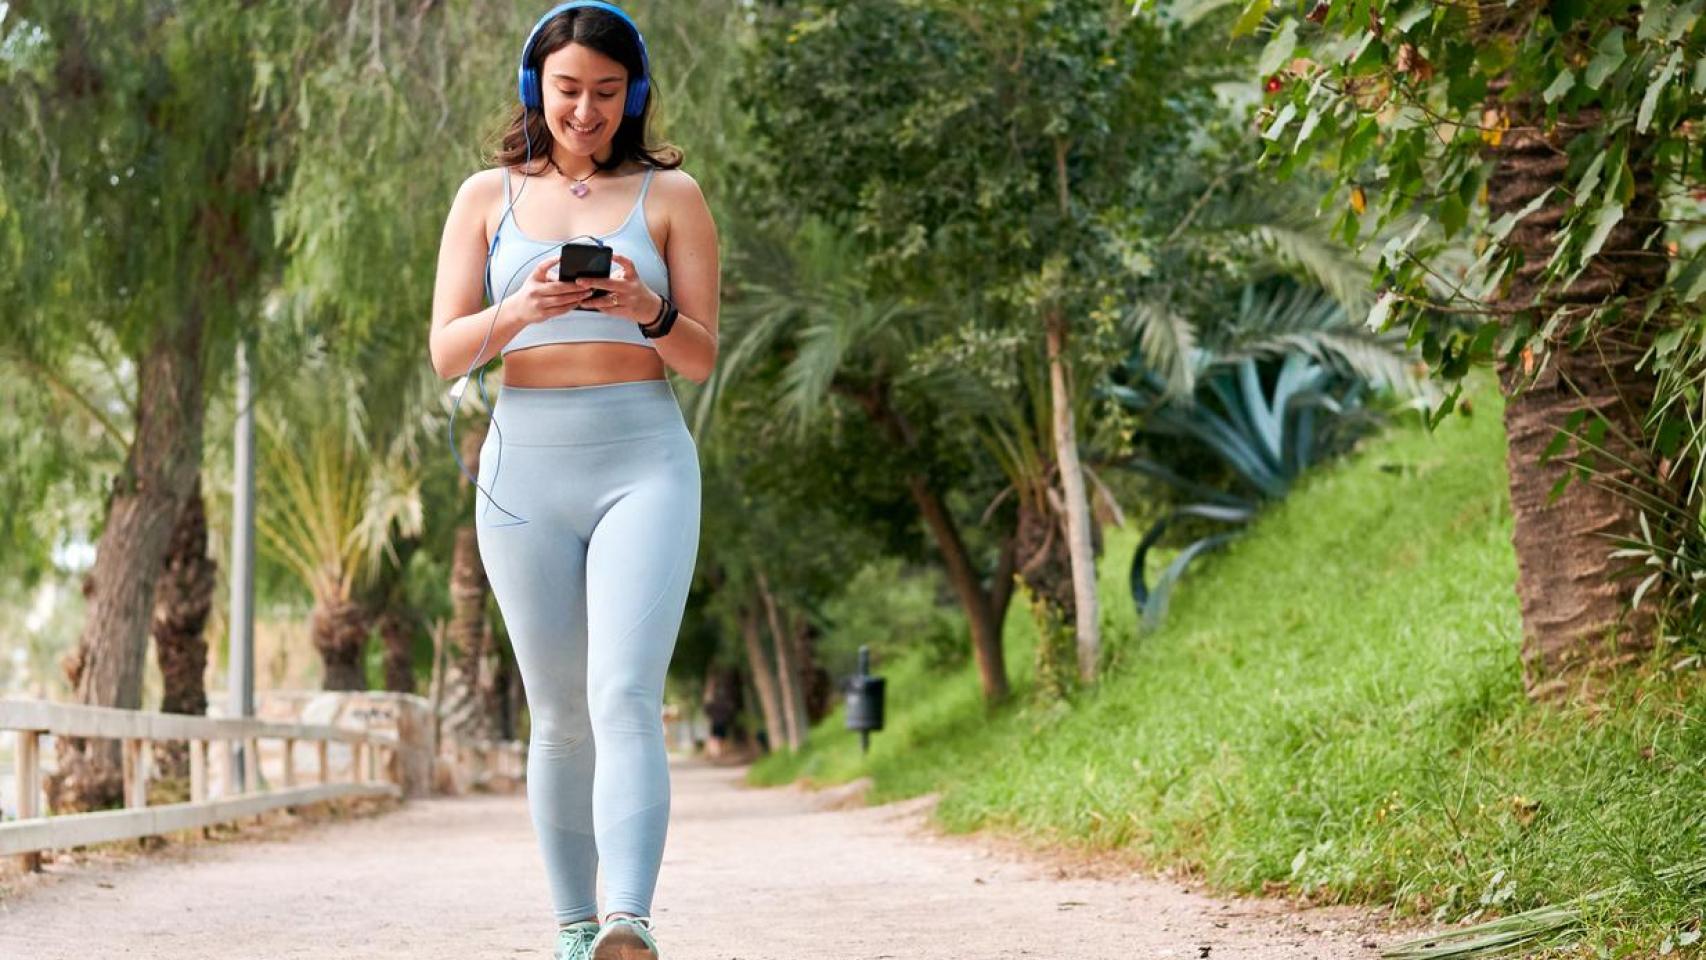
{"type": "Point", "coordinates": [542, 296]}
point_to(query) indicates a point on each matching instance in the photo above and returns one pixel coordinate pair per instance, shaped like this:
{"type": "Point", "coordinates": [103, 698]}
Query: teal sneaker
{"type": "Point", "coordinates": [574, 942]}
{"type": "Point", "coordinates": [625, 938]}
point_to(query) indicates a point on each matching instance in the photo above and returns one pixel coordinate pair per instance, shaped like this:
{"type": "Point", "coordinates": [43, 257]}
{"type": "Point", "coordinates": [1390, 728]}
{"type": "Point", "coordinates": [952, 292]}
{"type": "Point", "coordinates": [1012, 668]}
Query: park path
{"type": "Point", "coordinates": [748, 874]}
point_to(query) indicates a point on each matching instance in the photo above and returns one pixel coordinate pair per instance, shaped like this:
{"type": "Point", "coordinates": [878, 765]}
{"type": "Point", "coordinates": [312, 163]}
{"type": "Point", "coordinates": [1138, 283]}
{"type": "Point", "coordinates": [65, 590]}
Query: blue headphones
{"type": "Point", "coordinates": [527, 78]}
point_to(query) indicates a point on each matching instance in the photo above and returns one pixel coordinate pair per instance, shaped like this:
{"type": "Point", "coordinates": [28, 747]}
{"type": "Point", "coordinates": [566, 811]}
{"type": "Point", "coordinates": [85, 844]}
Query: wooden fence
{"type": "Point", "coordinates": [137, 729]}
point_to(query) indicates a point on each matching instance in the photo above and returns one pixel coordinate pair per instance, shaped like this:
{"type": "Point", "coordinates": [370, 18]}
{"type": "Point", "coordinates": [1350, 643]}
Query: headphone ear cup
{"type": "Point", "coordinates": [528, 85]}
{"type": "Point", "coordinates": [637, 96]}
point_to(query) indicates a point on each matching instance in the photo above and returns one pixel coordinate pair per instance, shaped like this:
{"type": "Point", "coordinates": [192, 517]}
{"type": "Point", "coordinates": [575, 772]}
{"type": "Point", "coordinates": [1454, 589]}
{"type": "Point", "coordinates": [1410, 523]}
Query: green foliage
{"type": "Point", "coordinates": [981, 161]}
{"type": "Point", "coordinates": [140, 166]}
{"type": "Point", "coordinates": [896, 611]}
{"type": "Point", "coordinates": [1403, 100]}
{"type": "Point", "coordinates": [1409, 104]}
{"type": "Point", "coordinates": [942, 134]}
{"type": "Point", "coordinates": [1337, 709]}
{"type": "Point", "coordinates": [144, 146]}
{"type": "Point", "coordinates": [1274, 389]}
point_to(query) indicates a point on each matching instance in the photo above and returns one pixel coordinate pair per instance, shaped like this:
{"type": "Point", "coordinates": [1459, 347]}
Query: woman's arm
{"type": "Point", "coordinates": [694, 282]}
{"type": "Point", "coordinates": [458, 322]}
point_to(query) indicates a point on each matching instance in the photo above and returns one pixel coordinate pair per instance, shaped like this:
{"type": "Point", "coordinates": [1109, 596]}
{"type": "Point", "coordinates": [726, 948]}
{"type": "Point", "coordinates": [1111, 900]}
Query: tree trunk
{"type": "Point", "coordinates": [467, 708]}
{"type": "Point", "coordinates": [1572, 607]}
{"type": "Point", "coordinates": [787, 670]}
{"type": "Point", "coordinates": [1045, 567]}
{"type": "Point", "coordinates": [819, 686]}
{"type": "Point", "coordinates": [339, 629]}
{"type": "Point", "coordinates": [182, 601]}
{"type": "Point", "coordinates": [105, 667]}
{"type": "Point", "coordinates": [1086, 618]}
{"type": "Point", "coordinates": [396, 628]}
{"type": "Point", "coordinates": [509, 694]}
{"type": "Point", "coordinates": [1001, 584]}
{"type": "Point", "coordinates": [1085, 606]}
{"type": "Point", "coordinates": [395, 620]}
{"type": "Point", "coordinates": [763, 677]}
{"type": "Point", "coordinates": [982, 614]}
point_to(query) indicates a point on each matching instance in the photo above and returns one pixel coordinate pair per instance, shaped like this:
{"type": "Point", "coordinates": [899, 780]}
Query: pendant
{"type": "Point", "coordinates": [580, 189]}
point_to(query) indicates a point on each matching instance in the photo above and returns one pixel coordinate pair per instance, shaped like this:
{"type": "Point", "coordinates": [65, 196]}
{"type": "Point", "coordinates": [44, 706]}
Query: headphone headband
{"type": "Point", "coordinates": [527, 78]}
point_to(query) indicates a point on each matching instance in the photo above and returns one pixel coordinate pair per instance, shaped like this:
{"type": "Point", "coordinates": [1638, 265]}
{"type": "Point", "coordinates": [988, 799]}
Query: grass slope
{"type": "Point", "coordinates": [1334, 707]}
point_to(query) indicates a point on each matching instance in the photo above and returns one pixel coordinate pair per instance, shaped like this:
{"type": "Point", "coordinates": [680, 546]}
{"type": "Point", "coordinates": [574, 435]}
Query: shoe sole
{"type": "Point", "coordinates": [623, 945]}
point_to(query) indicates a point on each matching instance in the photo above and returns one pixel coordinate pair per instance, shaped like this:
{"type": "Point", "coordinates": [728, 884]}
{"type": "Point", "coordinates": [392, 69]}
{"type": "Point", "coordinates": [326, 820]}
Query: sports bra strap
{"type": "Point", "coordinates": [507, 200]}
{"type": "Point", "coordinates": [645, 185]}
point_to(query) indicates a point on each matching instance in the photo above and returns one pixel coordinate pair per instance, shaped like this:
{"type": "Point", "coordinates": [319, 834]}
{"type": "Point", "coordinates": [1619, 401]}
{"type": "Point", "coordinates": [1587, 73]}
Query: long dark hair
{"type": "Point", "coordinates": [526, 131]}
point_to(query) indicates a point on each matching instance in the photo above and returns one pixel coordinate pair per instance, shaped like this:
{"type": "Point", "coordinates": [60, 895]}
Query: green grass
{"type": "Point", "coordinates": [1334, 707]}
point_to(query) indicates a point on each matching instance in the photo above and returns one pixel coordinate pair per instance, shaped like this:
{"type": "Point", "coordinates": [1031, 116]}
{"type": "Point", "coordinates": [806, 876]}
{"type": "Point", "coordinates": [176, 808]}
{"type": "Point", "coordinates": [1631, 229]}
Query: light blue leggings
{"type": "Point", "coordinates": [592, 588]}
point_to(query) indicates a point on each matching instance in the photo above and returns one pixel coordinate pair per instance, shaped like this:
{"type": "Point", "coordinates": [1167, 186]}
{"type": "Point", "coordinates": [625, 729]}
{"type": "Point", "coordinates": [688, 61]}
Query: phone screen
{"type": "Point", "coordinates": [585, 260]}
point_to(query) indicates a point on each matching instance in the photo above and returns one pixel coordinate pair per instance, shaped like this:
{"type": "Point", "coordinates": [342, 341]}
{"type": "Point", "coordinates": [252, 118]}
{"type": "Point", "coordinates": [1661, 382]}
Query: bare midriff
{"type": "Point", "coordinates": [583, 364]}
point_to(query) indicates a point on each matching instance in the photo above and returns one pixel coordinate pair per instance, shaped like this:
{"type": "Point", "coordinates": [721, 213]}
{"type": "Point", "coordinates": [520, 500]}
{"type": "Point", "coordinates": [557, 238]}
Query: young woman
{"type": "Point", "coordinates": [589, 521]}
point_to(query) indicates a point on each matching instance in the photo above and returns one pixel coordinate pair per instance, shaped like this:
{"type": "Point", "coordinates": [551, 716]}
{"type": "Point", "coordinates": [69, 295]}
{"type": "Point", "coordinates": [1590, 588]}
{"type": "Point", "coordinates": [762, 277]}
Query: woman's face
{"type": "Point", "coordinates": [583, 92]}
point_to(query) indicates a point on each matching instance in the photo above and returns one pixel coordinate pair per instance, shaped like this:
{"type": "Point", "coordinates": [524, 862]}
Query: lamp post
{"type": "Point", "coordinates": [240, 678]}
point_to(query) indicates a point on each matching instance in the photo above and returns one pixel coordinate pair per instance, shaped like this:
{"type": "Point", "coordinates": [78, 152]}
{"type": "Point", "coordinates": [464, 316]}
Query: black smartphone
{"type": "Point", "coordinates": [585, 260]}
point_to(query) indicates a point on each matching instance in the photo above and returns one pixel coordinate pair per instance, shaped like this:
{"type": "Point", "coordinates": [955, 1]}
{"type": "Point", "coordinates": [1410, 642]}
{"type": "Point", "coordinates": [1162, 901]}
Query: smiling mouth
{"type": "Point", "coordinates": [584, 132]}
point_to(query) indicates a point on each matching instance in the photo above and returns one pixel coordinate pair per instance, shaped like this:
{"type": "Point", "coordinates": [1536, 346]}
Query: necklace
{"type": "Point", "coordinates": [580, 189]}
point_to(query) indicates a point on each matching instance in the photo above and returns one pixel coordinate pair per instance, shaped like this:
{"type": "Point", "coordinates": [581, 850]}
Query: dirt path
{"type": "Point", "coordinates": [747, 875]}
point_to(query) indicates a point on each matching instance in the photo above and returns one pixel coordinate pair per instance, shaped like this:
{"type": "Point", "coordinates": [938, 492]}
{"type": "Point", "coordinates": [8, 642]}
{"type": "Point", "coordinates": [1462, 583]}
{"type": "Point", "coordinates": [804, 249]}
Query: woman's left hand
{"type": "Point", "coordinates": [629, 297]}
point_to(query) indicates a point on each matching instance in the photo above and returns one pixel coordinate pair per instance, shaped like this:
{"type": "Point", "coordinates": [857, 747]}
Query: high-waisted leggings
{"type": "Point", "coordinates": [592, 588]}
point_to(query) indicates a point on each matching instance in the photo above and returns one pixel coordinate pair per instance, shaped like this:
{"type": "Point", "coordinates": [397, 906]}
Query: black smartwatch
{"type": "Point", "coordinates": [662, 322]}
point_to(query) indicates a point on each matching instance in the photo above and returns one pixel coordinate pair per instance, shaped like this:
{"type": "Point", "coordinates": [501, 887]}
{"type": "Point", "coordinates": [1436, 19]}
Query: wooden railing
{"type": "Point", "coordinates": [137, 729]}
{"type": "Point", "coordinates": [484, 759]}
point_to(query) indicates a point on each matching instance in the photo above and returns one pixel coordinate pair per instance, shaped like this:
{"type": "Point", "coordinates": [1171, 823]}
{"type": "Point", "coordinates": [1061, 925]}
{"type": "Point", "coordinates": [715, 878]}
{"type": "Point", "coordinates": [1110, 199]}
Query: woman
{"type": "Point", "coordinates": [592, 567]}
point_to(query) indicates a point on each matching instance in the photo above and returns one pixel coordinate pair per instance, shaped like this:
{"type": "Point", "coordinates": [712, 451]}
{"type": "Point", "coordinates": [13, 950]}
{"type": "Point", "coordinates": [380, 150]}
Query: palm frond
{"type": "Point", "coordinates": [1168, 344]}
{"type": "Point", "coordinates": [1328, 264]}
{"type": "Point", "coordinates": [1547, 926]}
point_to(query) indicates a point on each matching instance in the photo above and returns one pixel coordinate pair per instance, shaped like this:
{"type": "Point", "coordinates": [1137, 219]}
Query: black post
{"type": "Point", "coordinates": [864, 671]}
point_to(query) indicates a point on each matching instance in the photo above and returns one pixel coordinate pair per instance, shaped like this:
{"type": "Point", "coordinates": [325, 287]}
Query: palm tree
{"type": "Point", "coordinates": [329, 503]}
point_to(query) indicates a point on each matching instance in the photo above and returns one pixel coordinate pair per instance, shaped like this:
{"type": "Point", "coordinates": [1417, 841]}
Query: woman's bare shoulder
{"type": "Point", "coordinates": [678, 189]}
{"type": "Point", "coordinates": [480, 190]}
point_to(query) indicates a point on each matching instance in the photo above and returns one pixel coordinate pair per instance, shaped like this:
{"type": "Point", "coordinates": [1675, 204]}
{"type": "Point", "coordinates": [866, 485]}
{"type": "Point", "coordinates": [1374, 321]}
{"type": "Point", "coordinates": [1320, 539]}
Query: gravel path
{"type": "Point", "coordinates": [748, 874]}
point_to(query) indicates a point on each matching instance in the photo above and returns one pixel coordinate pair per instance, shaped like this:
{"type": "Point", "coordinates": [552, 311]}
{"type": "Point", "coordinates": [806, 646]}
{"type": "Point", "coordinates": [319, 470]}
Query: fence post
{"type": "Point", "coordinates": [252, 765]}
{"type": "Point", "coordinates": [135, 772]}
{"type": "Point", "coordinates": [198, 771]}
{"type": "Point", "coordinates": [28, 769]}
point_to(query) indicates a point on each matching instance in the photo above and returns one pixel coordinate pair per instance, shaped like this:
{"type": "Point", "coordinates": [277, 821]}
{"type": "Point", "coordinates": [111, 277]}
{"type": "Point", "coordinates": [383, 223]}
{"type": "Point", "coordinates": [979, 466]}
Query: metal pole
{"type": "Point", "coordinates": [241, 676]}
{"type": "Point", "coordinates": [864, 671]}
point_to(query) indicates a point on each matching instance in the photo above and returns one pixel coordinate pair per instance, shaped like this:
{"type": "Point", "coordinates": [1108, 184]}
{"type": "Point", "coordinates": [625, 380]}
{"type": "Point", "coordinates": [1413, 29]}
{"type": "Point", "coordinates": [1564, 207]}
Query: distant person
{"type": "Point", "coordinates": [721, 705]}
{"type": "Point", "coordinates": [590, 529]}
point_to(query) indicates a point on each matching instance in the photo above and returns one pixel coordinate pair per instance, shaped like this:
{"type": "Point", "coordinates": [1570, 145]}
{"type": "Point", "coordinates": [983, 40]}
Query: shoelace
{"type": "Point", "coordinates": [576, 938]}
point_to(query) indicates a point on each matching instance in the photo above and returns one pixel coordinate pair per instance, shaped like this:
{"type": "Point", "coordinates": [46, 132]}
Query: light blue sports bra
{"type": "Point", "coordinates": [517, 254]}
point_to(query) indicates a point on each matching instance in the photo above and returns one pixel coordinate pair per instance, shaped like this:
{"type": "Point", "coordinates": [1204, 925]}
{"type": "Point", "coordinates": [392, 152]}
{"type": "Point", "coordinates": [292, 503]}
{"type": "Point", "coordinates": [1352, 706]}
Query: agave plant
{"type": "Point", "coordinates": [1287, 388]}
